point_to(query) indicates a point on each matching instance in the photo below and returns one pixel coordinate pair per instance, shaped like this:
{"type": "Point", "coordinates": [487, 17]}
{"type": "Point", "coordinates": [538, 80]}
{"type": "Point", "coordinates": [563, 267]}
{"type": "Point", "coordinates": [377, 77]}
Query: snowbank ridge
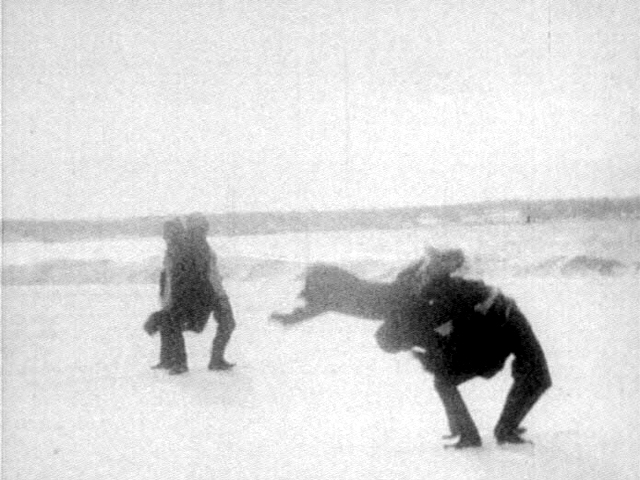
{"type": "Point", "coordinates": [65, 271]}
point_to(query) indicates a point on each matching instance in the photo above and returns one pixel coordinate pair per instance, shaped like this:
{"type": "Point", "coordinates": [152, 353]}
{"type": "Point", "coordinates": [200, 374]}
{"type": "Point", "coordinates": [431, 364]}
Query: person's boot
{"type": "Point", "coordinates": [466, 441]}
{"type": "Point", "coordinates": [166, 345]}
{"type": "Point", "coordinates": [178, 369]}
{"type": "Point", "coordinates": [226, 325]}
{"type": "Point", "coordinates": [510, 436]}
{"type": "Point", "coordinates": [161, 366]}
{"type": "Point", "coordinates": [460, 422]}
{"type": "Point", "coordinates": [519, 402]}
{"type": "Point", "coordinates": [220, 364]}
{"type": "Point", "coordinates": [176, 354]}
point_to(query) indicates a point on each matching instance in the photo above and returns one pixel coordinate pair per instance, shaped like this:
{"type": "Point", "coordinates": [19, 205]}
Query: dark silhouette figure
{"type": "Point", "coordinates": [190, 290]}
{"type": "Point", "coordinates": [210, 296]}
{"type": "Point", "coordinates": [465, 329]}
{"type": "Point", "coordinates": [458, 329]}
{"type": "Point", "coordinates": [173, 289]}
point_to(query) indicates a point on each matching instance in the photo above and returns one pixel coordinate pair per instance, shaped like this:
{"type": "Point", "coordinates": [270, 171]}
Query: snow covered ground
{"type": "Point", "coordinates": [319, 400]}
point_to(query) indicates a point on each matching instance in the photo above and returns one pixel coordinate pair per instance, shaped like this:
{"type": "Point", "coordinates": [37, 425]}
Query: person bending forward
{"type": "Point", "coordinates": [190, 290]}
{"type": "Point", "coordinates": [460, 329]}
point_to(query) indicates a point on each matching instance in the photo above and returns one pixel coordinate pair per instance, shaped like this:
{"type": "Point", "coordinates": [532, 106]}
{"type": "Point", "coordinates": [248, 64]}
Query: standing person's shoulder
{"type": "Point", "coordinates": [472, 290]}
{"type": "Point", "coordinates": [468, 283]}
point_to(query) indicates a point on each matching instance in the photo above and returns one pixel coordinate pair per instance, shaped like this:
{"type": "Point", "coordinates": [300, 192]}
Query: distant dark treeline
{"type": "Point", "coordinates": [262, 223]}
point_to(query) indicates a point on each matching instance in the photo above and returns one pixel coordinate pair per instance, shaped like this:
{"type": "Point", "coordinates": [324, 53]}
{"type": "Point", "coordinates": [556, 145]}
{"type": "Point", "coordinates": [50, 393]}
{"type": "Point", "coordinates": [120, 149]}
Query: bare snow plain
{"type": "Point", "coordinates": [318, 400]}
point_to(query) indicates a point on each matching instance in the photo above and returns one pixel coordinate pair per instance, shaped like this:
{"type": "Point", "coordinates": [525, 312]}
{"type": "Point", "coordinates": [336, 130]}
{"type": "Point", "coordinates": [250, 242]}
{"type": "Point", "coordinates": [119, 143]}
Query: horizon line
{"type": "Point", "coordinates": [336, 210]}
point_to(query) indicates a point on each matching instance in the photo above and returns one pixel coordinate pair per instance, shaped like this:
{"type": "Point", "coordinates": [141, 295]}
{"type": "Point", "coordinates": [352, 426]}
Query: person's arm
{"type": "Point", "coordinates": [163, 279]}
{"type": "Point", "coordinates": [165, 282]}
{"type": "Point", "coordinates": [215, 279]}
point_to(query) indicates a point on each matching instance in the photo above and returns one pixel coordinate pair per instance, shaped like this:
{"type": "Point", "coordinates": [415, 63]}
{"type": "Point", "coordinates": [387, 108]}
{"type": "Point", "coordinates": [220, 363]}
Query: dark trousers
{"type": "Point", "coordinates": [531, 378]}
{"type": "Point", "coordinates": [172, 345]}
{"type": "Point", "coordinates": [458, 416]}
{"type": "Point", "coordinates": [173, 352]}
{"type": "Point", "coordinates": [223, 314]}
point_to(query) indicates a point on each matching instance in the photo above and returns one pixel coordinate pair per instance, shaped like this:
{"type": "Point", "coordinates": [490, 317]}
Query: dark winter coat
{"type": "Point", "coordinates": [459, 342]}
{"type": "Point", "coordinates": [190, 288]}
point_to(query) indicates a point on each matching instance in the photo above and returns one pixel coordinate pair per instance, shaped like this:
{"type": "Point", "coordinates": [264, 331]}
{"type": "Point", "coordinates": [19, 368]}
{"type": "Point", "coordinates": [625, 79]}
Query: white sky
{"type": "Point", "coordinates": [137, 107]}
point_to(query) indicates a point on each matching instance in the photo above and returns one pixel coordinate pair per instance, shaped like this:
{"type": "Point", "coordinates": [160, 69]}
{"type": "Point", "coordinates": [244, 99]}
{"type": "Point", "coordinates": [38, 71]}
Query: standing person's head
{"type": "Point", "coordinates": [197, 225]}
{"type": "Point", "coordinates": [173, 232]}
{"type": "Point", "coordinates": [441, 263]}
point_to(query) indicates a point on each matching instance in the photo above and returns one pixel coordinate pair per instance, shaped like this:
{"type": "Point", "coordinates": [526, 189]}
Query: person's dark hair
{"type": "Point", "coordinates": [173, 230]}
{"type": "Point", "coordinates": [444, 262]}
{"type": "Point", "coordinates": [197, 223]}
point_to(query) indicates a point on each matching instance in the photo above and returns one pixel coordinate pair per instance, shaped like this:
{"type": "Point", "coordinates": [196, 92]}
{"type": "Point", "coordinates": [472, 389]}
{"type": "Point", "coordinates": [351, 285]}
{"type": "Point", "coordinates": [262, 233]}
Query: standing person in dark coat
{"type": "Point", "coordinates": [460, 329]}
{"type": "Point", "coordinates": [190, 290]}
{"type": "Point", "coordinates": [173, 289]}
{"type": "Point", "coordinates": [208, 294]}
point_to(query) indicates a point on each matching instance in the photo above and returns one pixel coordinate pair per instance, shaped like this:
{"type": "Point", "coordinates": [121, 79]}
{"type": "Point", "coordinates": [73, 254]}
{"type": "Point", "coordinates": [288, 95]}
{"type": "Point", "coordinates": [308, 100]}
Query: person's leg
{"type": "Point", "coordinates": [522, 396]}
{"type": "Point", "coordinates": [176, 349]}
{"type": "Point", "coordinates": [196, 317]}
{"type": "Point", "coordinates": [226, 325]}
{"type": "Point", "coordinates": [158, 321]}
{"type": "Point", "coordinates": [460, 421]}
{"type": "Point", "coordinates": [531, 378]}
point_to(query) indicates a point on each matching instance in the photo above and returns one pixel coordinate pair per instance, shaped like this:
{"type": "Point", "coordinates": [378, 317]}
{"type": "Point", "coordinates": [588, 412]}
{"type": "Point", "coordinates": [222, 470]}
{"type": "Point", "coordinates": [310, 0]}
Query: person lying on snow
{"type": "Point", "coordinates": [460, 329]}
